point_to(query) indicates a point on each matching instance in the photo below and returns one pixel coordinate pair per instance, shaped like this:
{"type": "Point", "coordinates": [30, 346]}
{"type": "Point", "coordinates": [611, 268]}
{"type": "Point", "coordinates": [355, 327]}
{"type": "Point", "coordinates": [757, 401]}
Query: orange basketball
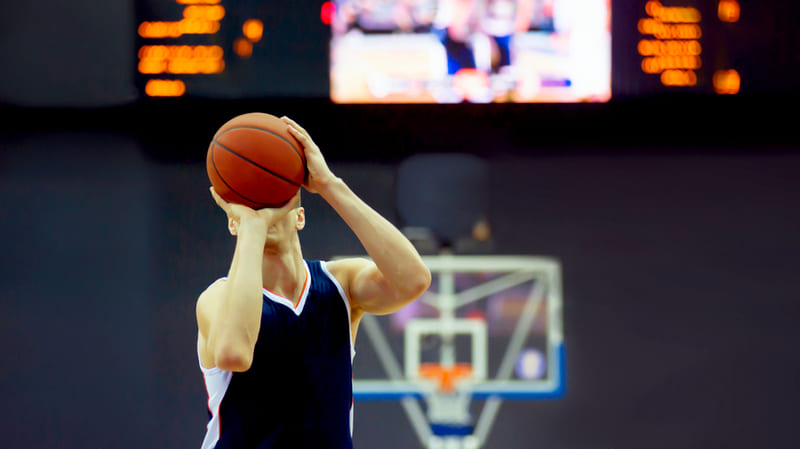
{"type": "Point", "coordinates": [254, 161]}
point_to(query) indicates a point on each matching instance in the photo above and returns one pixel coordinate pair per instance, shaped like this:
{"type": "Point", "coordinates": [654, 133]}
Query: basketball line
{"type": "Point", "coordinates": [258, 165]}
{"type": "Point", "coordinates": [214, 163]}
{"type": "Point", "coordinates": [251, 127]}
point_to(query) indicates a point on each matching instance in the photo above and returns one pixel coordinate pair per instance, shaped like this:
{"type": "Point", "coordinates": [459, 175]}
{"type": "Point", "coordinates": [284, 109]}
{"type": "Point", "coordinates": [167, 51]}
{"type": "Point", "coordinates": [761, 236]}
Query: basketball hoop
{"type": "Point", "coordinates": [446, 376]}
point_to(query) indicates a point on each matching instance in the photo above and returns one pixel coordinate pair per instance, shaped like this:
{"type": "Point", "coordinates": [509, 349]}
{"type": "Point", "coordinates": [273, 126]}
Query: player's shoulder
{"type": "Point", "coordinates": [213, 289]}
{"type": "Point", "coordinates": [346, 269]}
{"type": "Point", "coordinates": [210, 296]}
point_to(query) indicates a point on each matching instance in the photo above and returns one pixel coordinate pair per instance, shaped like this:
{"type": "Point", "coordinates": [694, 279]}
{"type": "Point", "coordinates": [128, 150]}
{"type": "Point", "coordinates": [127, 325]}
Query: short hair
{"type": "Point", "coordinates": [298, 203]}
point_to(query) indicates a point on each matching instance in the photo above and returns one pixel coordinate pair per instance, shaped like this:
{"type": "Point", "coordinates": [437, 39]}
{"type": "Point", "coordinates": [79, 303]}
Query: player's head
{"type": "Point", "coordinates": [284, 232]}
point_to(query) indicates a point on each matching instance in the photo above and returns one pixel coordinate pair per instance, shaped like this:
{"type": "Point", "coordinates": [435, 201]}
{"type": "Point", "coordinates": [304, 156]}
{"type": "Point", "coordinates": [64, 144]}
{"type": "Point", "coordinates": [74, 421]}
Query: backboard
{"type": "Point", "coordinates": [489, 328]}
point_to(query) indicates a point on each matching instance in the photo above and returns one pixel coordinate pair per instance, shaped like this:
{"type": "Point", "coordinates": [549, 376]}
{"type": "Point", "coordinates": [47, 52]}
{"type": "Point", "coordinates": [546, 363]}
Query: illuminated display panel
{"type": "Point", "coordinates": [706, 47]}
{"type": "Point", "coordinates": [671, 47]}
{"type": "Point", "coordinates": [479, 51]}
{"type": "Point", "coordinates": [397, 51]}
{"type": "Point", "coordinates": [230, 49]}
{"type": "Point", "coordinates": [672, 40]}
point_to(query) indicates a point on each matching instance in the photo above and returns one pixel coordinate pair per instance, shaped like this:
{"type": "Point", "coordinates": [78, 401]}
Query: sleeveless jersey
{"type": "Point", "coordinates": [298, 392]}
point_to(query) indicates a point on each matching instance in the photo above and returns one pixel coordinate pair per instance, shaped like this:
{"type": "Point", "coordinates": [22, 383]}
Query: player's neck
{"type": "Point", "coordinates": [284, 273]}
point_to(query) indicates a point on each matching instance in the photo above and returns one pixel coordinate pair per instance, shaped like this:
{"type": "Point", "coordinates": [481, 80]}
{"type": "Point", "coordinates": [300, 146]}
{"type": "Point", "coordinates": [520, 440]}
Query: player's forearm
{"type": "Point", "coordinates": [239, 316]}
{"type": "Point", "coordinates": [244, 278]}
{"type": "Point", "coordinates": [393, 254]}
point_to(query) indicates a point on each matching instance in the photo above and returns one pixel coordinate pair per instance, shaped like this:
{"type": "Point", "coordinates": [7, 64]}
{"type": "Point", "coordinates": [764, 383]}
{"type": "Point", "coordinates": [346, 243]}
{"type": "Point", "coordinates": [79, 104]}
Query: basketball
{"type": "Point", "coordinates": [254, 161]}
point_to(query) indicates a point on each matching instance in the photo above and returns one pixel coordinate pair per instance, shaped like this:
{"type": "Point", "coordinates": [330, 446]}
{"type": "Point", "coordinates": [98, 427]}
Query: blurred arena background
{"type": "Point", "coordinates": [673, 211]}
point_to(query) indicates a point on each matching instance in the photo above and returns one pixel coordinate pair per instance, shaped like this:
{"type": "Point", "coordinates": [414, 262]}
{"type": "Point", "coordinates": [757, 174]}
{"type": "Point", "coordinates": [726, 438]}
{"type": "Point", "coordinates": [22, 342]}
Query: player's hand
{"type": "Point", "coordinates": [262, 218]}
{"type": "Point", "coordinates": [233, 210]}
{"type": "Point", "coordinates": [319, 175]}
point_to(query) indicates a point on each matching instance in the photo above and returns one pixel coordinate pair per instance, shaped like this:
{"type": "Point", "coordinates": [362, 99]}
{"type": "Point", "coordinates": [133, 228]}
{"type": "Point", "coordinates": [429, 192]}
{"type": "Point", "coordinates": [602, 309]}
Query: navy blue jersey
{"type": "Point", "coordinates": [298, 393]}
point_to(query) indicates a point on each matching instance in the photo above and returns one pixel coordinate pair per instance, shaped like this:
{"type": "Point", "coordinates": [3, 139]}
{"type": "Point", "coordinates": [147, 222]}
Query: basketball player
{"type": "Point", "coordinates": [276, 335]}
{"type": "Point", "coordinates": [462, 25]}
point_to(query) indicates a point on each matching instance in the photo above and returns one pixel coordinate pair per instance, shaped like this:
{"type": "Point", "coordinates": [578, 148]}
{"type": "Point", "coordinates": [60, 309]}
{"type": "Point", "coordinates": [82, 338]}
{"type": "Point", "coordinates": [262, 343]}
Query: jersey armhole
{"type": "Point", "coordinates": [346, 300]}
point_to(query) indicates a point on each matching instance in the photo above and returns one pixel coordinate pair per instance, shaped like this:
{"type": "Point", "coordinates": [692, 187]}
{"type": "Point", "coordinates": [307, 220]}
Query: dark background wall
{"type": "Point", "coordinates": [678, 249]}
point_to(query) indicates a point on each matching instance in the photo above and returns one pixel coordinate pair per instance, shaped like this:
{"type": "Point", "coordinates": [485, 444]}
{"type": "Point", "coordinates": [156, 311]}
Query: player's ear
{"type": "Point", "coordinates": [232, 226]}
{"type": "Point", "coordinates": [300, 218]}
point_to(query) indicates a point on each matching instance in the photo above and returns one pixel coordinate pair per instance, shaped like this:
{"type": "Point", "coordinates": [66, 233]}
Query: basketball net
{"type": "Point", "coordinates": [448, 404]}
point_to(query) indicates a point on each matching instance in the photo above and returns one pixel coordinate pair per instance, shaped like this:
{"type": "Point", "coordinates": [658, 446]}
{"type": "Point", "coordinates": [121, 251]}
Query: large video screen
{"type": "Point", "coordinates": [478, 51]}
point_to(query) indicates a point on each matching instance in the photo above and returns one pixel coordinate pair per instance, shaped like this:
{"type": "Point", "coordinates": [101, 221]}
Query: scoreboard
{"type": "Point", "coordinates": [392, 51]}
{"type": "Point", "coordinates": [712, 47]}
{"type": "Point", "coordinates": [230, 49]}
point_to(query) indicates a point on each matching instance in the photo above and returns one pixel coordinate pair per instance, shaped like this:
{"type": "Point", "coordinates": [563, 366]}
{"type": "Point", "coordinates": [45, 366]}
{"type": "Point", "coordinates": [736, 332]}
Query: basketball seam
{"type": "Point", "coordinates": [214, 163]}
{"type": "Point", "coordinates": [257, 164]}
{"type": "Point", "coordinates": [251, 127]}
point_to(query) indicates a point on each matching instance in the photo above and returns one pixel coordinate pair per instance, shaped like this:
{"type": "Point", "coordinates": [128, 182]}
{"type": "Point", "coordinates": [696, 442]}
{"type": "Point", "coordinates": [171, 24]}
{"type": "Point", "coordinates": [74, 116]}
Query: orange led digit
{"type": "Point", "coordinates": [670, 46]}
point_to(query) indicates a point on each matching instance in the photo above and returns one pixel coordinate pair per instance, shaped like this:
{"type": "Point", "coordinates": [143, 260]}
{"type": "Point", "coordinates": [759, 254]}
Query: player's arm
{"type": "Point", "coordinates": [525, 10]}
{"type": "Point", "coordinates": [396, 275]}
{"type": "Point", "coordinates": [229, 311]}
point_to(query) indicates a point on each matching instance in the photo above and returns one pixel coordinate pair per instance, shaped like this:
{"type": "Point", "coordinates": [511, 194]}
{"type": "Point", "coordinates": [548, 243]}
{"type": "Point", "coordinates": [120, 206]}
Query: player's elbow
{"type": "Point", "coordinates": [417, 283]}
{"type": "Point", "coordinates": [233, 358]}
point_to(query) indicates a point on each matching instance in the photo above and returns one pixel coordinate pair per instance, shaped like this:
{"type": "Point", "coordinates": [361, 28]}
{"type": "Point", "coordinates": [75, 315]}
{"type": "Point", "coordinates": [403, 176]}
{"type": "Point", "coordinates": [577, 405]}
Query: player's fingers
{"type": "Point", "coordinates": [222, 203]}
{"type": "Point", "coordinates": [299, 135]}
{"type": "Point", "coordinates": [295, 125]}
{"type": "Point", "coordinates": [304, 139]}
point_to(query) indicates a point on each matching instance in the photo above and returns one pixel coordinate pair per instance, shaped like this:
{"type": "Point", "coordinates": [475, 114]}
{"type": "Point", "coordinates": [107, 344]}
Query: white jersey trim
{"type": "Point", "coordinates": [288, 303]}
{"type": "Point", "coordinates": [217, 382]}
{"type": "Point", "coordinates": [346, 300]}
